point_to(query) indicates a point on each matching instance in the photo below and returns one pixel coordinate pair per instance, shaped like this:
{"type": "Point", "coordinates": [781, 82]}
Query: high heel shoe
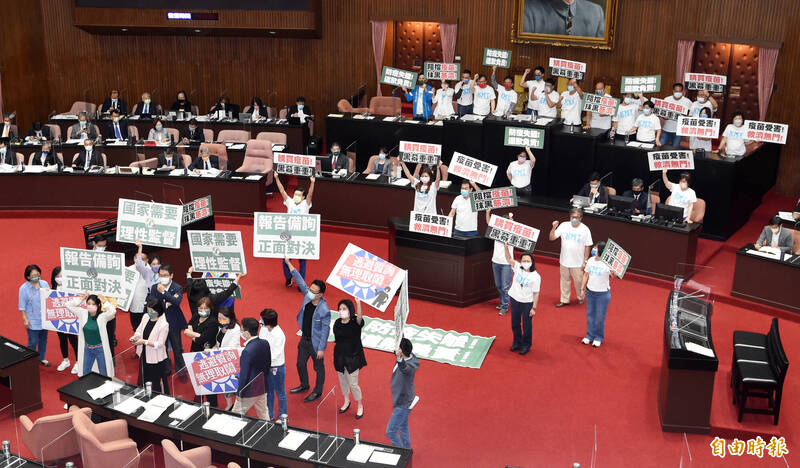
{"type": "Point", "coordinates": [344, 410]}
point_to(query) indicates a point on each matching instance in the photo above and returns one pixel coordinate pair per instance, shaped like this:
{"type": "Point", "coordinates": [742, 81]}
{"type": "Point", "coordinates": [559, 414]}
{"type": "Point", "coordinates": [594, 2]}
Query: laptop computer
{"type": "Point", "coordinates": [581, 201]}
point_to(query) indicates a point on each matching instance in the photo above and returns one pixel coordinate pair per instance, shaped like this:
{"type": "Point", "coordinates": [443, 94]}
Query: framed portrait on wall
{"type": "Point", "coordinates": [581, 23]}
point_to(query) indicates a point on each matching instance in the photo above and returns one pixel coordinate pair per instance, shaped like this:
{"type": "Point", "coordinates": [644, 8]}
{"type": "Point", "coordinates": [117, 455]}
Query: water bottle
{"type": "Point", "coordinates": [611, 134]}
{"type": "Point", "coordinates": [148, 389]}
{"type": "Point", "coordinates": [357, 436]}
{"type": "Point", "coordinates": [6, 449]}
{"type": "Point", "coordinates": [285, 423]}
{"type": "Point", "coordinates": [627, 138]}
{"type": "Point", "coordinates": [206, 409]}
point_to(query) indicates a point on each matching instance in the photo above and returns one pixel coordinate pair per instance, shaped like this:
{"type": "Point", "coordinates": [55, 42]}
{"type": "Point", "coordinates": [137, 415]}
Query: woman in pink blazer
{"type": "Point", "coordinates": [150, 339]}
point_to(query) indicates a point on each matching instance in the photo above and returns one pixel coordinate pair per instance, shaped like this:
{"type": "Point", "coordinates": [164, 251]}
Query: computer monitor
{"type": "Point", "coordinates": [669, 212]}
{"type": "Point", "coordinates": [581, 201]}
{"type": "Point", "coordinates": [619, 203]}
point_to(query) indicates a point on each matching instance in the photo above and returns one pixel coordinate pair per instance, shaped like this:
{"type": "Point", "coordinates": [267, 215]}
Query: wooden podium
{"type": "Point", "coordinates": [19, 373]}
{"type": "Point", "coordinates": [454, 270]}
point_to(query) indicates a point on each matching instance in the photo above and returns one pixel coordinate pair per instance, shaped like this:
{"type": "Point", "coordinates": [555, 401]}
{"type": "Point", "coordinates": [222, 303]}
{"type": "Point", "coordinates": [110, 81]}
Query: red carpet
{"type": "Point", "coordinates": [542, 409]}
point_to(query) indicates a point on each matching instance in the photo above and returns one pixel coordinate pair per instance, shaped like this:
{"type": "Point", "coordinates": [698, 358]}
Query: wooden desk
{"type": "Point", "coordinates": [766, 280]}
{"type": "Point", "coordinates": [19, 372]}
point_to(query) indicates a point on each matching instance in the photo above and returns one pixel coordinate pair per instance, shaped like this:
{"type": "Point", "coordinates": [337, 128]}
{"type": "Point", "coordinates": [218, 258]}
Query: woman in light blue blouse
{"type": "Point", "coordinates": [30, 304]}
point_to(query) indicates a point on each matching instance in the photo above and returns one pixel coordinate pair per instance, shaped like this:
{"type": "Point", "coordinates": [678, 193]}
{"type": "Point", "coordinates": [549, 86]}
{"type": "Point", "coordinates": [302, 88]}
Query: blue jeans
{"type": "Point", "coordinates": [398, 423]}
{"type": "Point", "coordinates": [596, 309]}
{"type": "Point", "coordinates": [670, 138]}
{"type": "Point", "coordinates": [464, 110]}
{"type": "Point", "coordinates": [465, 233]}
{"type": "Point", "coordinates": [90, 355]}
{"type": "Point", "coordinates": [521, 323]}
{"type": "Point", "coordinates": [288, 274]}
{"type": "Point", "coordinates": [276, 385]}
{"type": "Point", "coordinates": [37, 341]}
{"type": "Point", "coordinates": [502, 281]}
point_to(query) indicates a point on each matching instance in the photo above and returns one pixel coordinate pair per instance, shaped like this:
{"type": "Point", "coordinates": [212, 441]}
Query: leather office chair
{"type": "Point", "coordinates": [55, 131]}
{"type": "Point", "coordinates": [385, 105]}
{"type": "Point", "coordinates": [151, 163]}
{"type": "Point", "coordinates": [611, 191]}
{"type": "Point", "coordinates": [699, 211]}
{"type": "Point", "coordinates": [796, 241]}
{"type": "Point", "coordinates": [51, 438]}
{"type": "Point", "coordinates": [283, 113]}
{"type": "Point", "coordinates": [370, 164]}
{"type": "Point", "coordinates": [175, 134]}
{"type": "Point", "coordinates": [655, 199]}
{"type": "Point", "coordinates": [277, 138]}
{"type": "Point", "coordinates": [199, 457]}
{"type": "Point", "coordinates": [133, 131]}
{"type": "Point", "coordinates": [351, 163]}
{"type": "Point", "coordinates": [82, 106]}
{"type": "Point", "coordinates": [104, 445]}
{"type": "Point", "coordinates": [258, 158]}
{"type": "Point", "coordinates": [233, 136]}
{"type": "Point", "coordinates": [208, 135]}
{"type": "Point", "coordinates": [187, 159]}
{"type": "Point", "coordinates": [344, 106]}
{"type": "Point", "coordinates": [220, 151]}
{"type": "Point", "coordinates": [195, 109]}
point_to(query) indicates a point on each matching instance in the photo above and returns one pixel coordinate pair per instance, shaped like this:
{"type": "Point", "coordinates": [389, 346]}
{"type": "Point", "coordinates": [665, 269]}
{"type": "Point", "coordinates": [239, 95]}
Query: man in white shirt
{"type": "Point", "coordinates": [506, 96]}
{"type": "Point", "coordinates": [501, 269]}
{"type": "Point", "coordinates": [466, 220]}
{"type": "Point", "coordinates": [548, 99]}
{"type": "Point", "coordinates": [576, 242]}
{"type": "Point", "coordinates": [669, 126]}
{"type": "Point", "coordinates": [704, 99]}
{"type": "Point", "coordinates": [534, 87]}
{"type": "Point", "coordinates": [627, 112]}
{"type": "Point", "coordinates": [463, 93]}
{"type": "Point", "coordinates": [595, 119]}
{"type": "Point", "coordinates": [484, 97]}
{"type": "Point", "coordinates": [647, 126]}
{"type": "Point", "coordinates": [299, 203]}
{"type": "Point", "coordinates": [571, 104]}
{"type": "Point", "coordinates": [276, 380]}
{"type": "Point", "coordinates": [519, 172]}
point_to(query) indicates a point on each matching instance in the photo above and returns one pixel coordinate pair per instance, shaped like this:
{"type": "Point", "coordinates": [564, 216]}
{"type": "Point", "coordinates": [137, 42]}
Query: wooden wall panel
{"type": "Point", "coordinates": [326, 69]}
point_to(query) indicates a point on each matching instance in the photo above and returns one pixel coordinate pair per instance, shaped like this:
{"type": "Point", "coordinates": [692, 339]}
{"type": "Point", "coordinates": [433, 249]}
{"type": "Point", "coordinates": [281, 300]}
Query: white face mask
{"type": "Point", "coordinates": [776, 231]}
{"type": "Point", "coordinates": [684, 185]}
{"type": "Point", "coordinates": [87, 147]}
{"type": "Point", "coordinates": [147, 101]}
{"type": "Point", "coordinates": [164, 280]}
{"type": "Point", "coordinates": [344, 314]}
{"type": "Point", "coordinates": [425, 180]}
{"type": "Point", "coordinates": [100, 248]}
{"type": "Point", "coordinates": [738, 123]}
{"type": "Point", "coordinates": [59, 280]}
{"type": "Point", "coordinates": [526, 266]}
{"type": "Point", "coordinates": [677, 95]}
{"type": "Point", "coordinates": [701, 99]}
{"type": "Point", "coordinates": [628, 100]}
{"type": "Point", "coordinates": [92, 309]}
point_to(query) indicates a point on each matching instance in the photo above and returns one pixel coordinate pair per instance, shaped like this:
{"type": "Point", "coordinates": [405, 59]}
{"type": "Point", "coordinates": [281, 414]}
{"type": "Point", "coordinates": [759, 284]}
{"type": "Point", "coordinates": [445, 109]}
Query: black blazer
{"type": "Point", "coordinates": [342, 162]}
{"type": "Point", "coordinates": [178, 107]}
{"type": "Point", "coordinates": [123, 129]}
{"type": "Point", "coordinates": [10, 157]}
{"type": "Point", "coordinates": [255, 360]}
{"type": "Point", "coordinates": [198, 163]}
{"type": "Point", "coordinates": [96, 160]}
{"type": "Point", "coordinates": [641, 203]}
{"type": "Point", "coordinates": [121, 105]}
{"type": "Point", "coordinates": [50, 160]}
{"type": "Point", "coordinates": [172, 297]}
{"type": "Point", "coordinates": [12, 134]}
{"type": "Point", "coordinates": [602, 196]}
{"type": "Point", "coordinates": [293, 110]}
{"type": "Point", "coordinates": [232, 108]}
{"type": "Point", "coordinates": [261, 109]}
{"type": "Point", "coordinates": [139, 110]}
{"type": "Point", "coordinates": [45, 132]}
{"type": "Point", "coordinates": [177, 160]}
{"type": "Point", "coordinates": [198, 136]}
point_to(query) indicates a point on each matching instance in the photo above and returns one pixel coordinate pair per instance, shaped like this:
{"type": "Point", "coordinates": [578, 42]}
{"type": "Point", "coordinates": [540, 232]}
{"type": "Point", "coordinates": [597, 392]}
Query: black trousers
{"type": "Point", "coordinates": [64, 342]}
{"type": "Point", "coordinates": [174, 340]}
{"type": "Point", "coordinates": [111, 329]}
{"type": "Point", "coordinates": [157, 374]}
{"type": "Point", "coordinates": [305, 351]}
{"type": "Point", "coordinates": [136, 319]}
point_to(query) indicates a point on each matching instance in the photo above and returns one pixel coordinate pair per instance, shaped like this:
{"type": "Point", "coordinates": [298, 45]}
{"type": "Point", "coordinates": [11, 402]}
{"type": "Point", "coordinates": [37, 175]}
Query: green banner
{"type": "Point", "coordinates": [217, 251]}
{"type": "Point", "coordinates": [93, 271]}
{"type": "Point", "coordinates": [524, 136]}
{"type": "Point", "coordinates": [155, 224]}
{"type": "Point", "coordinates": [640, 84]}
{"type": "Point", "coordinates": [197, 209]}
{"type": "Point", "coordinates": [398, 77]}
{"type": "Point", "coordinates": [276, 235]}
{"type": "Point", "coordinates": [496, 57]}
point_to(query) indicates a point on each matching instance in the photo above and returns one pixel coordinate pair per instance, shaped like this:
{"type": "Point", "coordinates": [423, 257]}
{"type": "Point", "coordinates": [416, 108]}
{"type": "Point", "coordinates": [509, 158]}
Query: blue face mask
{"type": "Point", "coordinates": [570, 88]}
{"type": "Point", "coordinates": [537, 77]}
{"type": "Point", "coordinates": [464, 193]}
{"type": "Point", "coordinates": [382, 156]}
{"type": "Point", "coordinates": [598, 92]}
{"type": "Point", "coordinates": [159, 127]}
{"type": "Point", "coordinates": [575, 221]}
{"type": "Point", "coordinates": [594, 252]}
{"type": "Point", "coordinates": [310, 296]}
{"type": "Point", "coordinates": [646, 111]}
{"type": "Point", "coordinates": [628, 100]}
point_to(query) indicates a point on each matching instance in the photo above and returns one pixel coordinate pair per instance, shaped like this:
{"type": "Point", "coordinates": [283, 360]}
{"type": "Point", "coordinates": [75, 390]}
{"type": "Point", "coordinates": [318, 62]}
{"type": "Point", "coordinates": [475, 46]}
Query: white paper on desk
{"type": "Point", "coordinates": [129, 406]}
{"type": "Point", "coordinates": [104, 390]}
{"type": "Point", "coordinates": [293, 440]}
{"type": "Point", "coordinates": [151, 413]}
{"type": "Point", "coordinates": [233, 427]}
{"type": "Point", "coordinates": [542, 121]}
{"type": "Point", "coordinates": [360, 453]}
{"type": "Point", "coordinates": [134, 117]}
{"type": "Point", "coordinates": [65, 117]}
{"type": "Point", "coordinates": [235, 146]}
{"type": "Point", "coordinates": [697, 349]}
{"type": "Point", "coordinates": [73, 141]}
{"type": "Point", "coordinates": [401, 182]}
{"type": "Point", "coordinates": [115, 142]}
{"type": "Point", "coordinates": [184, 412]}
{"type": "Point", "coordinates": [254, 177]}
{"type": "Point", "coordinates": [647, 145]}
{"type": "Point", "coordinates": [411, 121]}
{"type": "Point", "coordinates": [215, 422]}
{"type": "Point", "coordinates": [335, 115]}
{"type": "Point", "coordinates": [786, 215]}
{"type": "Point", "coordinates": [202, 118]}
{"type": "Point", "coordinates": [764, 254]}
{"type": "Point", "coordinates": [307, 454]}
{"type": "Point", "coordinates": [389, 119]}
{"type": "Point", "coordinates": [373, 176]}
{"type": "Point", "coordinates": [358, 116]}
{"type": "Point", "coordinates": [161, 401]}
{"type": "Point", "coordinates": [384, 458]}
{"type": "Point", "coordinates": [209, 172]}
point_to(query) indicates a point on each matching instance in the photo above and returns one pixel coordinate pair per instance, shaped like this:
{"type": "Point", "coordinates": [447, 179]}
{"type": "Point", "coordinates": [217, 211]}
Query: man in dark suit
{"type": "Point", "coordinates": [254, 364]}
{"type": "Point", "coordinates": [114, 102]}
{"type": "Point", "coordinates": [191, 133]}
{"type": "Point", "coordinates": [8, 130]}
{"type": "Point", "coordinates": [639, 196]}
{"type": "Point", "coordinates": [224, 104]}
{"type": "Point", "coordinates": [338, 160]}
{"type": "Point", "coordinates": [169, 160]}
{"type": "Point", "coordinates": [146, 106]}
{"type": "Point", "coordinates": [775, 236]}
{"type": "Point", "coordinates": [205, 161]}
{"type": "Point", "coordinates": [88, 157]}
{"type": "Point", "coordinates": [171, 293]}
{"type": "Point", "coordinates": [7, 154]}
{"type": "Point", "coordinates": [82, 129]}
{"type": "Point", "coordinates": [597, 192]}
{"type": "Point", "coordinates": [300, 110]}
{"type": "Point", "coordinates": [117, 129]}
{"type": "Point", "coordinates": [38, 132]}
{"type": "Point", "coordinates": [46, 156]}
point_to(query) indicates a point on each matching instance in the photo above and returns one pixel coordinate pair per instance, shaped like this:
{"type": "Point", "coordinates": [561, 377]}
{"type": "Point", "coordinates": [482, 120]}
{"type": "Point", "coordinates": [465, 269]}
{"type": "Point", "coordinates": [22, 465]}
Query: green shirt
{"type": "Point", "coordinates": [91, 334]}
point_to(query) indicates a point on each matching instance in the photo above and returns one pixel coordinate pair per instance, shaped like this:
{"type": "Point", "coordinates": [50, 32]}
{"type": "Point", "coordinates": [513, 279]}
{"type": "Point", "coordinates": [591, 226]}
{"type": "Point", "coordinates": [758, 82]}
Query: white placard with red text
{"type": "Point", "coordinates": [675, 159]}
{"type": "Point", "coordinates": [433, 224]}
{"type": "Point", "coordinates": [765, 131]}
{"type": "Point", "coordinates": [295, 164]}
{"type": "Point", "coordinates": [472, 169]}
{"type": "Point", "coordinates": [567, 68]}
{"type": "Point", "coordinates": [366, 276]}
{"type": "Point", "coordinates": [698, 127]}
{"type": "Point", "coordinates": [215, 371]}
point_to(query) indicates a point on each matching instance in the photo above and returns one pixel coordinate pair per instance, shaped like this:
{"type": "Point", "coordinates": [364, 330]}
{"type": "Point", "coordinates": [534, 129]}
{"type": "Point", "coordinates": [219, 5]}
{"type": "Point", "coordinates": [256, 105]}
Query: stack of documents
{"type": "Point", "coordinates": [293, 440]}
{"type": "Point", "coordinates": [225, 424]}
{"type": "Point", "coordinates": [104, 390]}
{"type": "Point", "coordinates": [184, 412]}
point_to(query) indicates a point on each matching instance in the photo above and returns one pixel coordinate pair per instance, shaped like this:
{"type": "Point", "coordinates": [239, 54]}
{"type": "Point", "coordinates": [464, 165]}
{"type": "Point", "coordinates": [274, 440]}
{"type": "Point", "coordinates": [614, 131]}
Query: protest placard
{"type": "Point", "coordinates": [131, 277]}
{"type": "Point", "coordinates": [503, 197]}
{"type": "Point", "coordinates": [295, 164]}
{"type": "Point", "coordinates": [616, 258]}
{"type": "Point", "coordinates": [220, 283]}
{"type": "Point", "coordinates": [672, 159]}
{"type": "Point", "coordinates": [56, 316]}
{"type": "Point", "coordinates": [401, 311]}
{"type": "Point", "coordinates": [93, 271]}
{"type": "Point", "coordinates": [196, 210]}
{"type": "Point", "coordinates": [472, 169]}
{"type": "Point", "coordinates": [496, 57]}
{"type": "Point", "coordinates": [698, 127]}
{"type": "Point", "coordinates": [156, 224]}
{"type": "Point", "coordinates": [423, 153]}
{"type": "Point", "coordinates": [427, 223]}
{"type": "Point", "coordinates": [217, 251]}
{"type": "Point", "coordinates": [442, 71]}
{"type": "Point", "coordinates": [640, 84]}
{"type": "Point", "coordinates": [603, 105]}
{"type": "Point", "coordinates": [766, 131]}
{"type": "Point", "coordinates": [214, 371]}
{"type": "Point", "coordinates": [567, 68]}
{"type": "Point", "coordinates": [278, 235]}
{"type": "Point", "coordinates": [668, 110]}
{"type": "Point", "coordinates": [366, 276]}
{"type": "Point", "coordinates": [398, 77]}
{"type": "Point", "coordinates": [516, 235]}
{"type": "Point", "coordinates": [524, 137]}
{"type": "Point", "coordinates": [711, 83]}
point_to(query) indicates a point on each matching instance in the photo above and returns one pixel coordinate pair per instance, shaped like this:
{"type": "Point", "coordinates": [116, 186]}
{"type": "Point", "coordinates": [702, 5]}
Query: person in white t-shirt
{"type": "Point", "coordinates": [595, 119]}
{"type": "Point", "coordinates": [463, 93]}
{"type": "Point", "coordinates": [627, 112]}
{"type": "Point", "coordinates": [483, 96]}
{"type": "Point", "coordinates": [519, 172]}
{"type": "Point", "coordinates": [534, 87]}
{"type": "Point", "coordinates": [523, 298]}
{"type": "Point", "coordinates": [424, 190]}
{"type": "Point", "coordinates": [576, 239]}
{"type": "Point", "coordinates": [548, 99]}
{"type": "Point", "coordinates": [506, 96]}
{"type": "Point", "coordinates": [669, 126]}
{"type": "Point", "coordinates": [732, 142]}
{"type": "Point", "coordinates": [500, 268]}
{"type": "Point", "coordinates": [682, 195]}
{"type": "Point", "coordinates": [443, 101]}
{"type": "Point", "coordinates": [466, 221]}
{"type": "Point", "coordinates": [571, 103]}
{"type": "Point", "coordinates": [647, 126]}
{"type": "Point", "coordinates": [276, 380]}
{"type": "Point", "coordinates": [596, 287]}
{"type": "Point", "coordinates": [700, 142]}
{"type": "Point", "coordinates": [704, 100]}
{"type": "Point", "coordinates": [299, 203]}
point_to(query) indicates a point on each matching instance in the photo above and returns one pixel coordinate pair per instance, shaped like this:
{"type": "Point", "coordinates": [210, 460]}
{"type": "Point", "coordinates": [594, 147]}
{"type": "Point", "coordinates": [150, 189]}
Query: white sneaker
{"type": "Point", "coordinates": [64, 364]}
{"type": "Point", "coordinates": [75, 369]}
{"type": "Point", "coordinates": [596, 343]}
{"type": "Point", "coordinates": [585, 341]}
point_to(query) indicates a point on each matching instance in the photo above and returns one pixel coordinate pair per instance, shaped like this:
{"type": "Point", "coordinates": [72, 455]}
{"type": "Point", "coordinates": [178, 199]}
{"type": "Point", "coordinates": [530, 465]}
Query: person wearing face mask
{"type": "Point", "coordinates": [224, 104]}
{"type": "Point", "coordinates": [113, 101]}
{"type": "Point", "coordinates": [83, 129]}
{"type": "Point", "coordinates": [300, 110]}
{"type": "Point", "coordinates": [276, 380]}
{"type": "Point", "coordinates": [520, 171]}
{"type": "Point", "coordinates": [776, 237]}
{"type": "Point", "coordinates": [338, 160]}
{"type": "Point", "coordinates": [229, 335]}
{"type": "Point", "coordinates": [299, 203]}
{"type": "Point", "coordinates": [444, 101]}
{"type": "Point", "coordinates": [627, 112]}
{"type": "Point", "coordinates": [576, 241]}
{"type": "Point", "coordinates": [202, 330]}
{"type": "Point", "coordinates": [205, 161]}
{"type": "Point", "coordinates": [484, 97]}
{"type": "Point", "coordinates": [668, 135]}
{"type": "Point", "coordinates": [158, 133]}
{"type": "Point", "coordinates": [596, 191]}
{"type": "Point", "coordinates": [99, 243]}
{"type": "Point", "coordinates": [7, 154]}
{"type": "Point", "coordinates": [464, 93]}
{"type": "Point", "coordinates": [65, 340]}
{"type": "Point", "coordinates": [571, 103]}
{"type": "Point", "coordinates": [403, 394]}
{"type": "Point", "coordinates": [30, 304]}
{"type": "Point", "coordinates": [147, 266]}
{"type": "Point", "coordinates": [45, 156]}
{"type": "Point", "coordinates": [424, 191]}
{"type": "Point", "coordinates": [506, 96]}
{"type": "Point", "coordinates": [732, 142]}
{"type": "Point", "coordinates": [254, 368]}
{"type": "Point", "coordinates": [313, 318]}
{"type": "Point", "coordinates": [88, 158]}
{"type": "Point", "coordinates": [117, 129]}
{"type": "Point", "coordinates": [146, 106]}
{"type": "Point", "coordinates": [94, 351]}
{"type": "Point", "coordinates": [136, 309]}
{"type": "Point", "coordinates": [170, 294]}
{"type": "Point", "coordinates": [704, 101]}
{"type": "Point", "coordinates": [700, 142]}
{"type": "Point", "coordinates": [640, 198]}
{"type": "Point", "coordinates": [382, 164]}
{"type": "Point", "coordinates": [191, 133]}
{"type": "Point", "coordinates": [466, 222]}
{"type": "Point", "coordinates": [169, 160]}
{"type": "Point", "coordinates": [595, 119]}
{"type": "Point", "coordinates": [647, 126]}
{"type": "Point", "coordinates": [348, 353]}
{"type": "Point", "coordinates": [150, 339]}
{"type": "Point", "coordinates": [501, 269]}
{"type": "Point", "coordinates": [534, 86]}
{"type": "Point", "coordinates": [38, 132]}
{"type": "Point", "coordinates": [523, 299]}
{"type": "Point", "coordinates": [682, 195]}
{"type": "Point", "coordinates": [257, 109]}
{"type": "Point", "coordinates": [8, 130]}
{"type": "Point", "coordinates": [181, 103]}
{"type": "Point", "coordinates": [197, 289]}
{"type": "Point", "coordinates": [596, 287]}
{"type": "Point", "coordinates": [422, 97]}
